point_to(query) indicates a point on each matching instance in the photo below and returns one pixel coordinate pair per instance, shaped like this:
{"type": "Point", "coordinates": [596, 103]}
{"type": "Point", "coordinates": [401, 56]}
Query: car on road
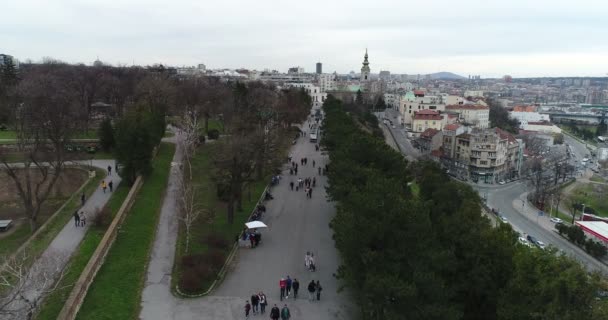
{"type": "Point", "coordinates": [501, 182]}
{"type": "Point", "coordinates": [523, 240]}
{"type": "Point", "coordinates": [531, 239]}
{"type": "Point", "coordinates": [556, 220]}
{"type": "Point", "coordinates": [540, 244]}
{"type": "Point", "coordinates": [503, 219]}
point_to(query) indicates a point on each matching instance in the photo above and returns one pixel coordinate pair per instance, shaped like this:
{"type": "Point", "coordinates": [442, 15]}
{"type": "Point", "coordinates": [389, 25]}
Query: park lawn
{"type": "Point", "coordinates": [592, 195]}
{"type": "Point", "coordinates": [116, 291]}
{"type": "Point", "coordinates": [216, 124]}
{"type": "Point", "coordinates": [415, 188]}
{"type": "Point", "coordinates": [91, 134]}
{"type": "Point", "coordinates": [217, 224]}
{"type": "Point", "coordinates": [597, 178]}
{"type": "Point", "coordinates": [53, 304]}
{"type": "Point", "coordinates": [41, 242]}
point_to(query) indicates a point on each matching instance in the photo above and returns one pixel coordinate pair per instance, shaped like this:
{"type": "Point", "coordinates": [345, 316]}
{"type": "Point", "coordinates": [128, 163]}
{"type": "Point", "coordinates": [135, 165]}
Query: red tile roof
{"type": "Point", "coordinates": [427, 115]}
{"type": "Point", "coordinates": [505, 135]}
{"type": "Point", "coordinates": [429, 133]}
{"type": "Point", "coordinates": [466, 106]}
{"type": "Point", "coordinates": [418, 92]}
{"type": "Point", "coordinates": [453, 126]}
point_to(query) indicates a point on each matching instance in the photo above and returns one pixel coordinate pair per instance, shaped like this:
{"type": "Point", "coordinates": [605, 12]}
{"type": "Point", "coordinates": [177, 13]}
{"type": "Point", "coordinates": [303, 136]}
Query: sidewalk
{"type": "Point", "coordinates": [295, 225]}
{"type": "Point", "coordinates": [66, 242]}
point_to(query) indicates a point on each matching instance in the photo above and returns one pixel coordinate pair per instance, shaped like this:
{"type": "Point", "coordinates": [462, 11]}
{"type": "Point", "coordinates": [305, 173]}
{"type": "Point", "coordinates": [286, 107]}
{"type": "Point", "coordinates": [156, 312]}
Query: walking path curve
{"type": "Point", "coordinates": [295, 225]}
{"type": "Point", "coordinates": [60, 250]}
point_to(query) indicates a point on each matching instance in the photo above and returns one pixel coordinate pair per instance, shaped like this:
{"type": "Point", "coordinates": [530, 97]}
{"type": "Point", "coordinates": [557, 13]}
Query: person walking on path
{"type": "Point", "coordinates": [111, 185]}
{"type": "Point", "coordinates": [319, 170]}
{"type": "Point", "coordinates": [282, 286]}
{"type": "Point", "coordinates": [103, 185]}
{"type": "Point", "coordinates": [247, 309]}
{"type": "Point", "coordinates": [263, 302]}
{"type": "Point", "coordinates": [311, 290]}
{"type": "Point", "coordinates": [314, 182]}
{"type": "Point", "coordinates": [318, 288]}
{"type": "Point", "coordinates": [313, 163]}
{"type": "Point", "coordinates": [109, 170]}
{"type": "Point", "coordinates": [296, 286]}
{"type": "Point", "coordinates": [311, 262]}
{"type": "Point", "coordinates": [291, 185]}
{"type": "Point", "coordinates": [285, 314]}
{"type": "Point", "coordinates": [83, 219]}
{"type": "Point", "coordinates": [255, 301]}
{"type": "Point", "coordinates": [83, 198]}
{"type": "Point", "coordinates": [307, 260]}
{"type": "Point", "coordinates": [76, 218]}
{"type": "Point", "coordinates": [275, 313]}
{"type": "Point", "coordinates": [288, 282]}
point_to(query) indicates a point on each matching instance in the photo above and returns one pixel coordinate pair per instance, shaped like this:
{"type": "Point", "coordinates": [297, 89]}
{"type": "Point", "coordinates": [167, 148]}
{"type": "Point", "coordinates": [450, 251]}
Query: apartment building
{"type": "Point", "coordinates": [471, 114]}
{"type": "Point", "coordinates": [487, 155]}
{"type": "Point", "coordinates": [410, 104]}
{"type": "Point", "coordinates": [426, 119]}
{"type": "Point", "coordinates": [315, 93]}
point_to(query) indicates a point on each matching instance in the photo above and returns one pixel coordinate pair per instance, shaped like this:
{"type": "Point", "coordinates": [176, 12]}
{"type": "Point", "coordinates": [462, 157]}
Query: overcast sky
{"type": "Point", "coordinates": [487, 37]}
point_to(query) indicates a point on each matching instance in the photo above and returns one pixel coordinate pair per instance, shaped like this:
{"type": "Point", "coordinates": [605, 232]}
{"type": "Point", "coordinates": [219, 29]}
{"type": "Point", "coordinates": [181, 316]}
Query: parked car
{"type": "Point", "coordinates": [501, 182]}
{"type": "Point", "coordinates": [556, 220]}
{"type": "Point", "coordinates": [503, 219]}
{"type": "Point", "coordinates": [540, 244]}
{"type": "Point", "coordinates": [531, 239]}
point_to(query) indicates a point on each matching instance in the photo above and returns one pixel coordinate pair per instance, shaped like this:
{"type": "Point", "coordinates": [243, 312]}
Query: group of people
{"type": "Point", "coordinates": [105, 185]}
{"type": "Point", "coordinates": [80, 219]}
{"type": "Point", "coordinates": [286, 285]}
{"type": "Point", "coordinates": [253, 236]}
{"type": "Point", "coordinates": [309, 261]}
{"type": "Point", "coordinates": [258, 305]}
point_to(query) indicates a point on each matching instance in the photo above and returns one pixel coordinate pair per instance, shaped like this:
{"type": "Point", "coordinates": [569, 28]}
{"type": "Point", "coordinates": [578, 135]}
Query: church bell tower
{"type": "Point", "coordinates": [365, 69]}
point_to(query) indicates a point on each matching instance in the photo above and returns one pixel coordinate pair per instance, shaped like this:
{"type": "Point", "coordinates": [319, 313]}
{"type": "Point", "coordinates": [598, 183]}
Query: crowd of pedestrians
{"type": "Point", "coordinates": [288, 286]}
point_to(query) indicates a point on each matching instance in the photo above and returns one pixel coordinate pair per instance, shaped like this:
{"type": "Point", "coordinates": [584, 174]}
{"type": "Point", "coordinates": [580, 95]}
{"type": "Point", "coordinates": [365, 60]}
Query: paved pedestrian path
{"type": "Point", "coordinates": [66, 242]}
{"type": "Point", "coordinates": [295, 225]}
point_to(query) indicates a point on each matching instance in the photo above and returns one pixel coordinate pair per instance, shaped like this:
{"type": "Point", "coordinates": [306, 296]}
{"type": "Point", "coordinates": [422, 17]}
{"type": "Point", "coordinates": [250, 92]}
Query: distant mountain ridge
{"type": "Point", "coordinates": [446, 75]}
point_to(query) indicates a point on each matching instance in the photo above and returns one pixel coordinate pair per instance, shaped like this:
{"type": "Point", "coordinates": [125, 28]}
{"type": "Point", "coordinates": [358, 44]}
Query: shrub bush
{"type": "Point", "coordinates": [190, 281]}
{"type": "Point", "coordinates": [215, 259]}
{"type": "Point", "coordinates": [215, 240]}
{"type": "Point", "coordinates": [102, 218]}
{"type": "Point", "coordinates": [213, 134]}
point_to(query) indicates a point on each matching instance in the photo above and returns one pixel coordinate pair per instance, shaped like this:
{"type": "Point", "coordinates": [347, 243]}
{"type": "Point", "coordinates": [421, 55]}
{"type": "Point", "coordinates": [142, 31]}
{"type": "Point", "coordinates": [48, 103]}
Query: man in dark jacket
{"type": "Point", "coordinates": [295, 285]}
{"type": "Point", "coordinates": [312, 287]}
{"type": "Point", "coordinates": [275, 313]}
{"type": "Point", "coordinates": [255, 301]}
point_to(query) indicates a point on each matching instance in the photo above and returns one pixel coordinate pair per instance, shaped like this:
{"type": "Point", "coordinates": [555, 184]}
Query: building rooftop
{"type": "Point", "coordinates": [466, 106]}
{"type": "Point", "coordinates": [453, 126]}
{"type": "Point", "coordinates": [427, 114]}
{"type": "Point", "coordinates": [429, 133]}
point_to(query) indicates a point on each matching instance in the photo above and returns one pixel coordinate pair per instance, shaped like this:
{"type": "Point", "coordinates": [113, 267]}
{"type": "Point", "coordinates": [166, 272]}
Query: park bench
{"type": "Point", "coordinates": [5, 224]}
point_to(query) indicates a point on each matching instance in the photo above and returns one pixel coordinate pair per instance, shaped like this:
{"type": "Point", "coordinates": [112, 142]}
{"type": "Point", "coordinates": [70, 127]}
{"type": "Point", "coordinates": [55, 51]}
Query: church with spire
{"type": "Point", "coordinates": [365, 72]}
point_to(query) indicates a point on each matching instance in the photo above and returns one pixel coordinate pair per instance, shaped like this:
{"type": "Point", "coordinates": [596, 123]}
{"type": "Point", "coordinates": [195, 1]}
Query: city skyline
{"type": "Point", "coordinates": [521, 38]}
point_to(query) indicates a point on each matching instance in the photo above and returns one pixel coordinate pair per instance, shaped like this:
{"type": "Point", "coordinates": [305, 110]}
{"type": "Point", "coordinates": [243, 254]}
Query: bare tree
{"type": "Point", "coordinates": [189, 140]}
{"type": "Point", "coordinates": [44, 122]}
{"type": "Point", "coordinates": [24, 287]}
{"type": "Point", "coordinates": [234, 162]}
{"type": "Point", "coordinates": [189, 208]}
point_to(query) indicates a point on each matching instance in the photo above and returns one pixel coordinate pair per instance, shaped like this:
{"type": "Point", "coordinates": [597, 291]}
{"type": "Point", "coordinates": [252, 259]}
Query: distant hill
{"type": "Point", "coordinates": [446, 75]}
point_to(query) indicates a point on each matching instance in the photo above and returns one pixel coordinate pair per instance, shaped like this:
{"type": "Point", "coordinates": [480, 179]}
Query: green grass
{"type": "Point", "coordinates": [116, 290]}
{"type": "Point", "coordinates": [592, 195]}
{"type": "Point", "coordinates": [202, 166]}
{"type": "Point", "coordinates": [597, 178]}
{"type": "Point", "coordinates": [41, 242]}
{"type": "Point", "coordinates": [55, 301]}
{"type": "Point", "coordinates": [168, 134]}
{"type": "Point", "coordinates": [91, 134]}
{"type": "Point", "coordinates": [216, 124]}
{"type": "Point", "coordinates": [415, 188]}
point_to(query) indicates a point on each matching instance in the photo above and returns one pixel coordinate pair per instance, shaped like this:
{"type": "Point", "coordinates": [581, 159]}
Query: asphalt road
{"type": "Point", "coordinates": [509, 200]}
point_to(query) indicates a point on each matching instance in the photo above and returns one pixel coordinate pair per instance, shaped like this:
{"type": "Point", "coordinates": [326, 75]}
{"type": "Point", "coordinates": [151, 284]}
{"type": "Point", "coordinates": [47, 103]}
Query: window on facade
{"type": "Point", "coordinates": [483, 162]}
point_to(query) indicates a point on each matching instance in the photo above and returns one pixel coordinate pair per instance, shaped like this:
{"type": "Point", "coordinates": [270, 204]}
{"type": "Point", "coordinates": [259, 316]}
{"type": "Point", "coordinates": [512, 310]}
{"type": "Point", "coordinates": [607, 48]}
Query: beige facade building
{"type": "Point", "coordinates": [488, 155]}
{"type": "Point", "coordinates": [426, 119]}
{"type": "Point", "coordinates": [471, 114]}
{"type": "Point", "coordinates": [409, 105]}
